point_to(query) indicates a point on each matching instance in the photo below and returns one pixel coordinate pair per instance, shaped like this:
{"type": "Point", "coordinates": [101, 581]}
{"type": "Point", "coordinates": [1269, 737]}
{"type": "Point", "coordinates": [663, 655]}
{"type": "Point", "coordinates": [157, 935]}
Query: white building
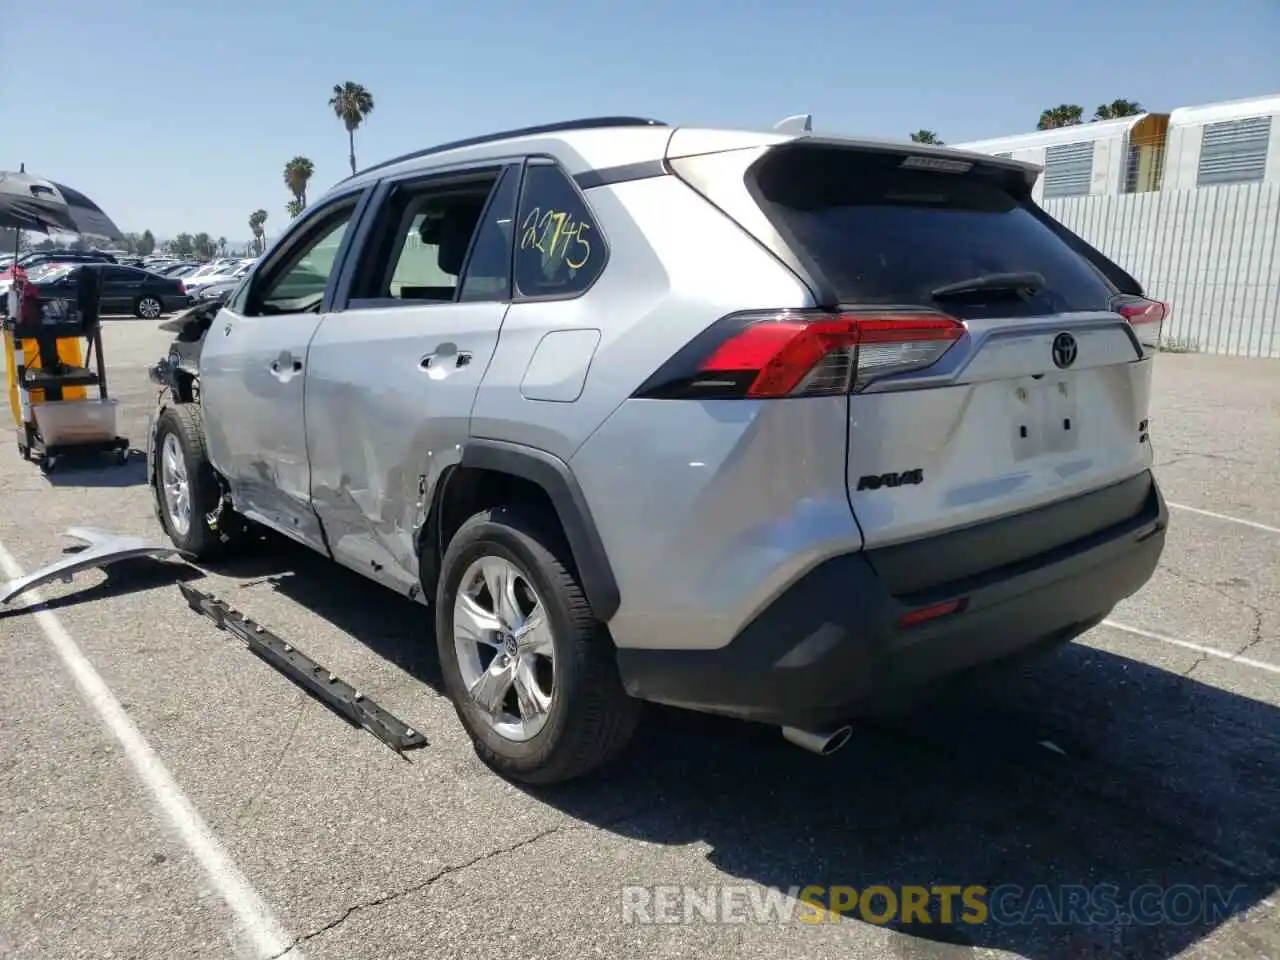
{"type": "Point", "coordinates": [1237, 141]}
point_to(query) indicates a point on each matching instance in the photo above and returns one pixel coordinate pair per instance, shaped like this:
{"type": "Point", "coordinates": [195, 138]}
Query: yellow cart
{"type": "Point", "coordinates": [49, 346]}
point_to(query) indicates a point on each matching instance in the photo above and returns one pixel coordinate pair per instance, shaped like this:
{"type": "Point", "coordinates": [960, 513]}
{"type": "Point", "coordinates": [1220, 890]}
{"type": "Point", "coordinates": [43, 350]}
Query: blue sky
{"type": "Point", "coordinates": [180, 117]}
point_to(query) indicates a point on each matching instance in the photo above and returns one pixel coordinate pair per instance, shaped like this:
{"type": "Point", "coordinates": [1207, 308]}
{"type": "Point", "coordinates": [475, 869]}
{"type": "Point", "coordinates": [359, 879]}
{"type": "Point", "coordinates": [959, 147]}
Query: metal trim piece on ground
{"type": "Point", "coordinates": [302, 670]}
{"type": "Point", "coordinates": [103, 548]}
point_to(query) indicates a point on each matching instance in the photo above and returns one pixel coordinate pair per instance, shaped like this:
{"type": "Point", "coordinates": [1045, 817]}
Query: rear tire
{"type": "Point", "coordinates": [187, 488]}
{"type": "Point", "coordinates": [148, 308]}
{"type": "Point", "coordinates": [590, 717]}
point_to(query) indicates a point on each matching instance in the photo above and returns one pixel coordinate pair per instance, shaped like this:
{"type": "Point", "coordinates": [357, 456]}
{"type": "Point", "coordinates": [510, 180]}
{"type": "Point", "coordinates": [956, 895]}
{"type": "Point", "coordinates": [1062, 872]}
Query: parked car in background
{"type": "Point", "coordinates": [176, 268]}
{"type": "Point", "coordinates": [42, 271]}
{"type": "Point", "coordinates": [24, 263]}
{"type": "Point", "coordinates": [215, 292]}
{"type": "Point", "coordinates": [219, 290]}
{"type": "Point", "coordinates": [204, 270]}
{"type": "Point", "coordinates": [122, 289]}
{"type": "Point", "coordinates": [157, 264]}
{"type": "Point", "coordinates": [39, 272]}
{"type": "Point", "coordinates": [212, 273]}
{"type": "Point", "coordinates": [27, 260]}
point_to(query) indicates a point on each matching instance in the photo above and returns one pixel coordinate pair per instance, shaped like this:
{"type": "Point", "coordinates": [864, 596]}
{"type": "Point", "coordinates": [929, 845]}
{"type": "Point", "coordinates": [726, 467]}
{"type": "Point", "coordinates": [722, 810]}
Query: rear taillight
{"type": "Point", "coordinates": [182, 288]}
{"type": "Point", "coordinates": [802, 354]}
{"type": "Point", "coordinates": [1146, 317]}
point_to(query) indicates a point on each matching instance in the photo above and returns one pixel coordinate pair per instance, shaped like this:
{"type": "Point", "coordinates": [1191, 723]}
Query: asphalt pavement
{"type": "Point", "coordinates": [165, 794]}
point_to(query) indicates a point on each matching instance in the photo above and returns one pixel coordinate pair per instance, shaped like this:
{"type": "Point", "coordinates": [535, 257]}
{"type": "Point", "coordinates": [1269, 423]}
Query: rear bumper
{"type": "Point", "coordinates": [831, 645]}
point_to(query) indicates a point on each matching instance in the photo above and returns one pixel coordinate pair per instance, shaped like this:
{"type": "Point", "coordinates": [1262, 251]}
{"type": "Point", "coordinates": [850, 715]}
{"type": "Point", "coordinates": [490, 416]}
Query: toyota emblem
{"type": "Point", "coordinates": [1065, 350]}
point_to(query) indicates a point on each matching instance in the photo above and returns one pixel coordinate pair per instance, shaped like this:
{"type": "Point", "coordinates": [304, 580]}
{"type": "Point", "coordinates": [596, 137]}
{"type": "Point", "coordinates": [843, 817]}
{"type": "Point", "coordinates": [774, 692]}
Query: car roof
{"type": "Point", "coordinates": [586, 144]}
{"type": "Point", "coordinates": [600, 143]}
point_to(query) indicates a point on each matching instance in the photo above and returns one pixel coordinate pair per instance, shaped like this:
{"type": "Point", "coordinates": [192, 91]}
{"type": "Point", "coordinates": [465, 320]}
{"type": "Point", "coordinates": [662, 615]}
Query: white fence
{"type": "Point", "coordinates": [1213, 254]}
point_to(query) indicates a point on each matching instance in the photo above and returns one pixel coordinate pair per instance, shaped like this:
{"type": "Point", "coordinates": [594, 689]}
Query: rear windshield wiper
{"type": "Point", "coordinates": [1025, 284]}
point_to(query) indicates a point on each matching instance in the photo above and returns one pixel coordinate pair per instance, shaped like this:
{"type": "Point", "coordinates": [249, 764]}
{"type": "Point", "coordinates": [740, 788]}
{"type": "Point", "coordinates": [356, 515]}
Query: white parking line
{"type": "Point", "coordinates": [1223, 516]}
{"type": "Point", "coordinates": [264, 932]}
{"type": "Point", "coordinates": [1198, 648]}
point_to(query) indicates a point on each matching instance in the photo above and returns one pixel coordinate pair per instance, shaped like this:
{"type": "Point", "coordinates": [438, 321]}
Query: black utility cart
{"type": "Point", "coordinates": [51, 425]}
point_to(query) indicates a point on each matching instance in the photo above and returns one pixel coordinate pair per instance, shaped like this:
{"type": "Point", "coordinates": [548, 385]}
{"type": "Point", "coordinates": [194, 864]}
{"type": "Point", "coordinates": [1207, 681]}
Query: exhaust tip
{"type": "Point", "coordinates": [822, 742]}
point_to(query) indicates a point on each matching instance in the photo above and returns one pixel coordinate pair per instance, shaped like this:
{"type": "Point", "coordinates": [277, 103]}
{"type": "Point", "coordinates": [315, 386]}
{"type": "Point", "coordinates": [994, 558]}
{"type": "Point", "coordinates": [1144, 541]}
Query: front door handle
{"type": "Point", "coordinates": [285, 366]}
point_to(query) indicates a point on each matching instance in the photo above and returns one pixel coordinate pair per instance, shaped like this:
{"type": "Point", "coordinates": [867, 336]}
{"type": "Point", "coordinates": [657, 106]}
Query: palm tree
{"type": "Point", "coordinates": [1063, 115]}
{"type": "Point", "coordinates": [1118, 108]}
{"type": "Point", "coordinates": [293, 208]}
{"type": "Point", "coordinates": [297, 173]}
{"type": "Point", "coordinates": [351, 103]}
{"type": "Point", "coordinates": [256, 221]}
{"type": "Point", "coordinates": [927, 136]}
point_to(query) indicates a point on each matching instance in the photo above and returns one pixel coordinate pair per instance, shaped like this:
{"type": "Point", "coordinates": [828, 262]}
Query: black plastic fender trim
{"type": "Point", "coordinates": [554, 476]}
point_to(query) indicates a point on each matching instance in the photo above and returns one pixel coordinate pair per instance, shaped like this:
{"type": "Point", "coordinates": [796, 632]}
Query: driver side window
{"type": "Point", "coordinates": [297, 283]}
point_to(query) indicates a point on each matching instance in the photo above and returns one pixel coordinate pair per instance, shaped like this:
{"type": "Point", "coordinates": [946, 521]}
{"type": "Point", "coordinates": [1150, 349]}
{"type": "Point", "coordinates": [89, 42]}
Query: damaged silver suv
{"type": "Point", "coordinates": [777, 426]}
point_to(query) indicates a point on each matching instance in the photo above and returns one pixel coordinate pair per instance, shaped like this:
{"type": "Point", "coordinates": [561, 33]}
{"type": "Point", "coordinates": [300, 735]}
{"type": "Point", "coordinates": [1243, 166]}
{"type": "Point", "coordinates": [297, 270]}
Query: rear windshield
{"type": "Point", "coordinates": [884, 235]}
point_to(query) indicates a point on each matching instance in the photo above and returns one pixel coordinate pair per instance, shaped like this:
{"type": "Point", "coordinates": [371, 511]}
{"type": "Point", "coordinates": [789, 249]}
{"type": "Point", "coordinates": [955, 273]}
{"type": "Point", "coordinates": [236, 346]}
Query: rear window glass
{"type": "Point", "coordinates": [884, 235]}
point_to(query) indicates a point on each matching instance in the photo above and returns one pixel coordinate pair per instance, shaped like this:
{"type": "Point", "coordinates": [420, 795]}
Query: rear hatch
{"type": "Point", "coordinates": [999, 363]}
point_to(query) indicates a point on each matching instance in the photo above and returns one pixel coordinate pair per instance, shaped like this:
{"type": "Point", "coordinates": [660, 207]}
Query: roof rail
{"type": "Point", "coordinates": [587, 123]}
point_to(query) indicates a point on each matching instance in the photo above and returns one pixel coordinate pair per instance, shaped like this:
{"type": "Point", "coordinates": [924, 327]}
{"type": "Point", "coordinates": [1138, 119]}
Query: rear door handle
{"type": "Point", "coordinates": [445, 357]}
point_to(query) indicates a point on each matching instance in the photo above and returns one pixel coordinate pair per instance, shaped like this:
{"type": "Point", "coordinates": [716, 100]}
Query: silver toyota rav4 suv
{"type": "Point", "coordinates": [778, 426]}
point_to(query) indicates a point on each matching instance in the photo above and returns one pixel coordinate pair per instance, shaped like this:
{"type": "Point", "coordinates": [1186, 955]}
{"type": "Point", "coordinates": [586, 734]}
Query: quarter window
{"type": "Point", "coordinates": [559, 249]}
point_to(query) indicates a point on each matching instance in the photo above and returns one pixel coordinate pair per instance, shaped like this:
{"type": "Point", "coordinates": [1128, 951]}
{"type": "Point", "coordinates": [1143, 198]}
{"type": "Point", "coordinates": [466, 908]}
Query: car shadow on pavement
{"type": "Point", "coordinates": [1109, 808]}
{"type": "Point", "coordinates": [99, 470]}
{"type": "Point", "coordinates": [394, 627]}
{"type": "Point", "coordinates": [1081, 780]}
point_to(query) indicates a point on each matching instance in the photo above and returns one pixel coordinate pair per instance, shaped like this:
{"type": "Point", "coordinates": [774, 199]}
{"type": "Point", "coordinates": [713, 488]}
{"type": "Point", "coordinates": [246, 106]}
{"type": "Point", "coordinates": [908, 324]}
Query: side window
{"type": "Point", "coordinates": [488, 275]}
{"type": "Point", "coordinates": [119, 275]}
{"type": "Point", "coordinates": [416, 253]}
{"type": "Point", "coordinates": [296, 283]}
{"type": "Point", "coordinates": [559, 250]}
